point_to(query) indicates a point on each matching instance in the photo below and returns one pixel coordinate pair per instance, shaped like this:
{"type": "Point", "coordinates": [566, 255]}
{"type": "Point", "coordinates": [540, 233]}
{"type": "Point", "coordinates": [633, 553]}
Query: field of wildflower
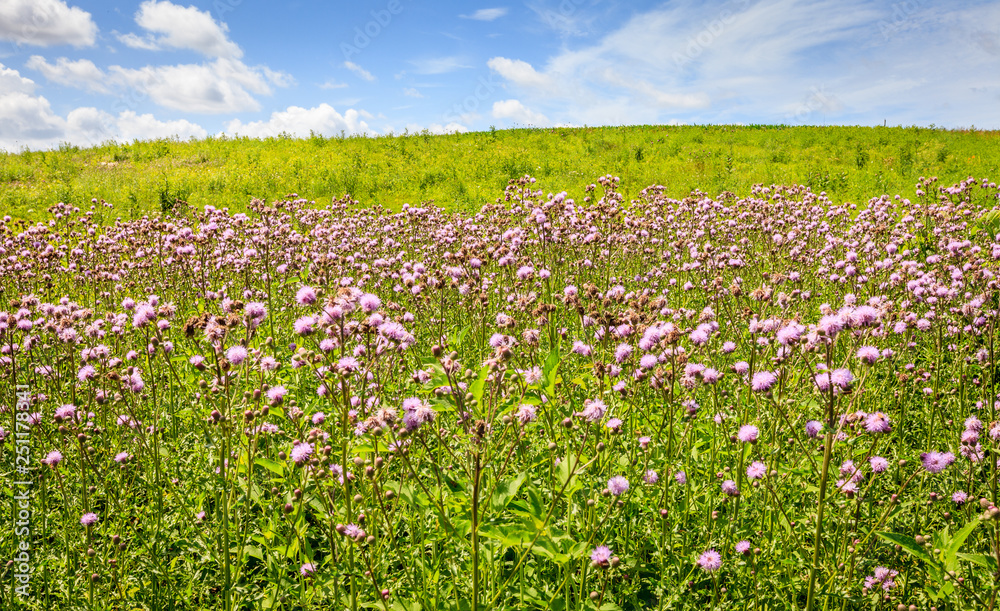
{"type": "Point", "coordinates": [463, 172]}
{"type": "Point", "coordinates": [773, 401]}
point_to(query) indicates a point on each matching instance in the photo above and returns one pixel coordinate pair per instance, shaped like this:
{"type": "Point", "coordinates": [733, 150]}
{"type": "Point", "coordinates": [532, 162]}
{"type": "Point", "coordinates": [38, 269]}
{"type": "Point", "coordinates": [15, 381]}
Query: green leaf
{"type": "Point", "coordinates": [907, 543]}
{"type": "Point", "coordinates": [506, 491]}
{"type": "Point", "coordinates": [951, 553]}
{"type": "Point", "coordinates": [270, 465]}
{"type": "Point", "coordinates": [550, 367]}
{"type": "Point", "coordinates": [479, 385]}
{"type": "Point", "coordinates": [987, 562]}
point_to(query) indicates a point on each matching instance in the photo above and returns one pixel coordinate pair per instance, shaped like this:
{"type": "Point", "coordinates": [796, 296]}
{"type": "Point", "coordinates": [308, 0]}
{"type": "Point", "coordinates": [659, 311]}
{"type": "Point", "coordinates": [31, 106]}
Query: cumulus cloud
{"type": "Point", "coordinates": [519, 72]}
{"type": "Point", "coordinates": [301, 122]}
{"type": "Point", "coordinates": [412, 92]}
{"type": "Point", "coordinates": [519, 113]}
{"type": "Point", "coordinates": [45, 23]}
{"type": "Point", "coordinates": [82, 73]}
{"type": "Point", "coordinates": [11, 81]}
{"type": "Point", "coordinates": [486, 14]}
{"type": "Point", "coordinates": [172, 26]}
{"type": "Point", "coordinates": [223, 85]}
{"type": "Point", "coordinates": [361, 72]}
{"type": "Point", "coordinates": [28, 121]}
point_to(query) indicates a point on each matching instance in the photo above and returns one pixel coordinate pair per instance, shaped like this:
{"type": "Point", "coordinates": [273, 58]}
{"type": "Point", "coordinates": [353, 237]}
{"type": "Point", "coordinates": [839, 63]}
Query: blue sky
{"type": "Point", "coordinates": [87, 71]}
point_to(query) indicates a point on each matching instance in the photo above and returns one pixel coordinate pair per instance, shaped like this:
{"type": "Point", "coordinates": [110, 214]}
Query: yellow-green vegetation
{"type": "Point", "coordinates": [464, 171]}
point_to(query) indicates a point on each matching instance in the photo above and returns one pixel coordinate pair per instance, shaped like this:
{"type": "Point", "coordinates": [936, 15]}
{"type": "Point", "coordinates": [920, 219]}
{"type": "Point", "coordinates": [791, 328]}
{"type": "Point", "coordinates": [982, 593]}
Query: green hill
{"type": "Point", "coordinates": [464, 171]}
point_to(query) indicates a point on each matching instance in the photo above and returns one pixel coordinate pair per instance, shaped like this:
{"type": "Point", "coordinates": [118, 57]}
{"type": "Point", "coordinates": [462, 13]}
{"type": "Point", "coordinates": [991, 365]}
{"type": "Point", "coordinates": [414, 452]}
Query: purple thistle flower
{"type": "Point", "coordinates": [868, 354]}
{"type": "Point", "coordinates": [276, 394]}
{"type": "Point", "coordinates": [681, 477]}
{"type": "Point", "coordinates": [236, 355]}
{"type": "Point", "coordinates": [756, 470]}
{"type": "Point", "coordinates": [959, 497]}
{"type": "Point", "coordinates": [813, 428]}
{"type": "Point", "coordinates": [742, 547]}
{"type": "Point", "coordinates": [841, 378]}
{"type": "Point", "coordinates": [301, 452]}
{"type": "Point", "coordinates": [88, 519]}
{"type": "Point", "coordinates": [650, 477]}
{"type": "Point", "coordinates": [748, 433]}
{"type": "Point", "coordinates": [86, 373]}
{"type": "Point", "coordinates": [618, 485]}
{"type": "Point", "coordinates": [763, 381]}
{"type": "Point", "coordinates": [122, 457]}
{"type": "Point", "coordinates": [306, 296]}
{"type": "Point", "coordinates": [877, 422]}
{"type": "Point", "coordinates": [878, 464]}
{"type": "Point", "coordinates": [307, 570]}
{"type": "Point", "coordinates": [369, 303]}
{"type": "Point", "coordinates": [53, 458]}
{"type": "Point", "coordinates": [601, 556]}
{"type": "Point", "coordinates": [936, 462]}
{"type": "Point", "coordinates": [304, 325]}
{"type": "Point", "coordinates": [710, 561]}
{"type": "Point", "coordinates": [729, 487]}
{"type": "Point", "coordinates": [526, 413]}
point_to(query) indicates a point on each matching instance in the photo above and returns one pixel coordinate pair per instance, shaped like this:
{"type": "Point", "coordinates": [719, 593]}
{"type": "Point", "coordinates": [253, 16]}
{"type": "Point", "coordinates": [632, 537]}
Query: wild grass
{"type": "Point", "coordinates": [463, 172]}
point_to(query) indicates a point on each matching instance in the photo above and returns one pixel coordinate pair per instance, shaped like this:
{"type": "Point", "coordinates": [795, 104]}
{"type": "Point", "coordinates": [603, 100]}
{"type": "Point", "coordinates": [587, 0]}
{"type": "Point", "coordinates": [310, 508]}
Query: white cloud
{"type": "Point", "coordinates": [135, 41]}
{"type": "Point", "coordinates": [486, 14]}
{"type": "Point", "coordinates": [181, 27]}
{"type": "Point", "coordinates": [27, 120]}
{"type": "Point", "coordinates": [46, 23]}
{"type": "Point", "coordinates": [356, 69]}
{"type": "Point", "coordinates": [82, 73]}
{"type": "Point", "coordinates": [412, 92]}
{"type": "Point", "coordinates": [519, 72]}
{"type": "Point", "coordinates": [223, 85]}
{"type": "Point", "coordinates": [518, 113]}
{"type": "Point", "coordinates": [323, 120]}
{"type": "Point", "coordinates": [144, 127]}
{"type": "Point", "coordinates": [433, 128]}
{"type": "Point", "coordinates": [332, 84]}
{"type": "Point", "coordinates": [11, 81]}
{"type": "Point", "coordinates": [437, 65]}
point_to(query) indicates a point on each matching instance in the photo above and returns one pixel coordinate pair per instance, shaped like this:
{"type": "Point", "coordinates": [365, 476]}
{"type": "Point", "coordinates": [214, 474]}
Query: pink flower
{"type": "Point", "coordinates": [868, 354]}
{"type": "Point", "coordinates": [301, 453]}
{"type": "Point", "coordinates": [236, 355]}
{"type": "Point", "coordinates": [763, 381]}
{"type": "Point", "coordinates": [601, 556]}
{"type": "Point", "coordinates": [53, 458]}
{"type": "Point", "coordinates": [88, 519]}
{"type": "Point", "coordinates": [618, 485]}
{"type": "Point", "coordinates": [748, 433]}
{"type": "Point", "coordinates": [756, 470]}
{"type": "Point", "coordinates": [306, 296]}
{"type": "Point", "coordinates": [710, 561]}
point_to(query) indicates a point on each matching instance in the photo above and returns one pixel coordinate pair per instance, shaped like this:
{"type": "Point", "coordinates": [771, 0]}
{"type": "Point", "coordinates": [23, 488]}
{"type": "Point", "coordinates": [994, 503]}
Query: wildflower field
{"type": "Point", "coordinates": [463, 172]}
{"type": "Point", "coordinates": [769, 401]}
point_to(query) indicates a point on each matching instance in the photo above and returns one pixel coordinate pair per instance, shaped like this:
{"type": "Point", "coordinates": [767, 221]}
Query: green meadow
{"type": "Point", "coordinates": [462, 172]}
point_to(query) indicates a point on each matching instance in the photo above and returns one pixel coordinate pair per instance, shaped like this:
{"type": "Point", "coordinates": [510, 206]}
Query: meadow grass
{"type": "Point", "coordinates": [463, 172]}
{"type": "Point", "coordinates": [774, 401]}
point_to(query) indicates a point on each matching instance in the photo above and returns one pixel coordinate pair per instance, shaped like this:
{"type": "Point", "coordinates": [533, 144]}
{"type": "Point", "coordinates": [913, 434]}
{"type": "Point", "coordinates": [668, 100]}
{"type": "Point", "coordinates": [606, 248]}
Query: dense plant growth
{"type": "Point", "coordinates": [766, 402]}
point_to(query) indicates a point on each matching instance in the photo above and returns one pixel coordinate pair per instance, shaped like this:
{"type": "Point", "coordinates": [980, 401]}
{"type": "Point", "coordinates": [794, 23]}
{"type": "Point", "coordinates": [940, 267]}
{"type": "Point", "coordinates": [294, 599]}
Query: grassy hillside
{"type": "Point", "coordinates": [464, 171]}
